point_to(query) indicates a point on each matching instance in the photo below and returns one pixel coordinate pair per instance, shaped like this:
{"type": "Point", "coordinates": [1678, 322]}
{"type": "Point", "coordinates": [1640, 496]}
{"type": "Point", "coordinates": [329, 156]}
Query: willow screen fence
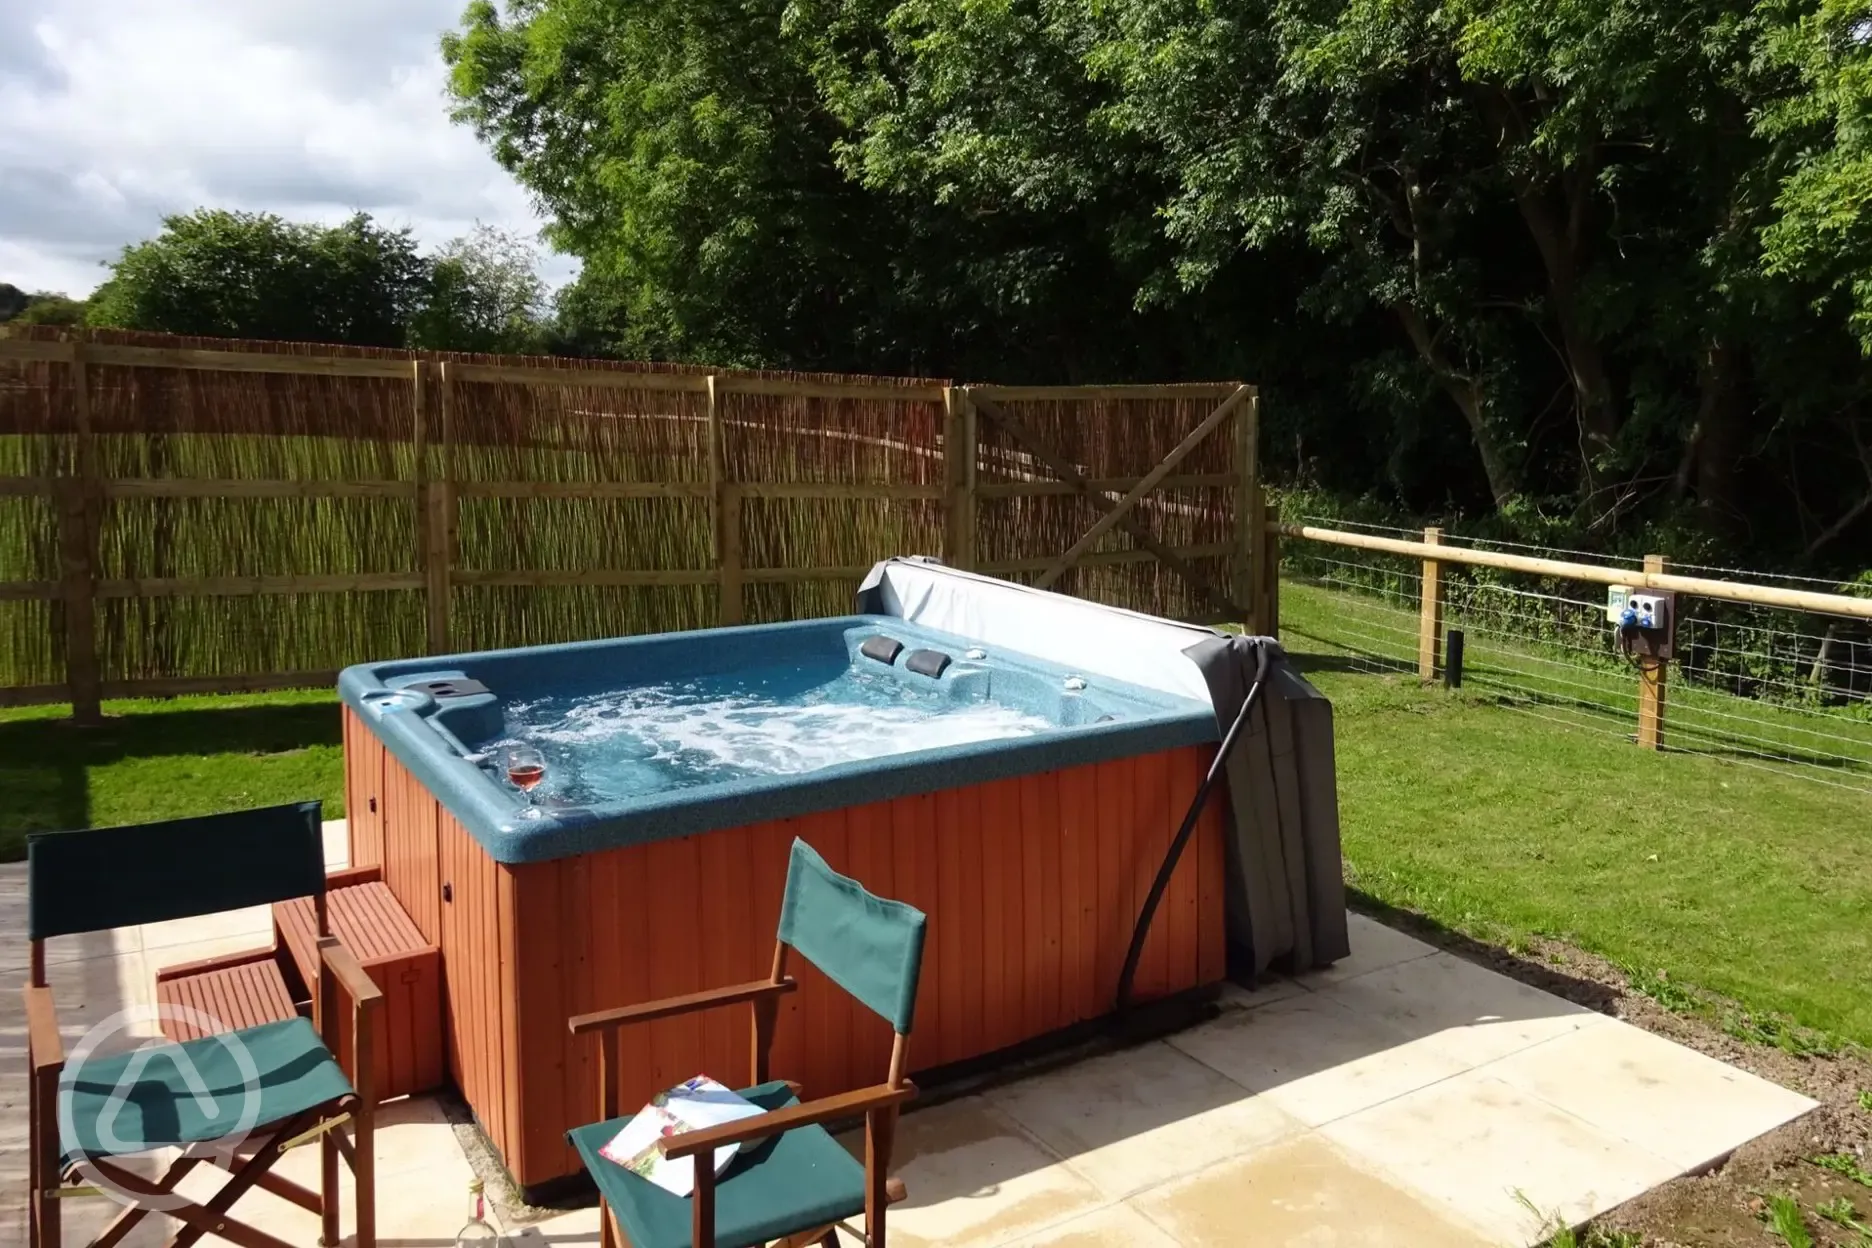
{"type": "Point", "coordinates": [181, 516]}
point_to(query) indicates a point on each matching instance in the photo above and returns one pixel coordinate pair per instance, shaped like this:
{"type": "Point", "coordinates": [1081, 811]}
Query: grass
{"type": "Point", "coordinates": [166, 759]}
{"type": "Point", "coordinates": [1595, 689]}
{"type": "Point", "coordinates": [1785, 1220]}
{"type": "Point", "coordinates": [1560, 1235]}
{"type": "Point", "coordinates": [1846, 1166]}
{"type": "Point", "coordinates": [1842, 1212]}
{"type": "Point", "coordinates": [1695, 871]}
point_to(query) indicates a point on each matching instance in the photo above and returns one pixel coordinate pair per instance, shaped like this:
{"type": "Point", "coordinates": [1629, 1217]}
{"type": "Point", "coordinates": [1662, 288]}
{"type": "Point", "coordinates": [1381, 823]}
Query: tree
{"type": "Point", "coordinates": [254, 275]}
{"type": "Point", "coordinates": [49, 308]}
{"type": "Point", "coordinates": [1594, 259]}
{"type": "Point", "coordinates": [1823, 226]}
{"type": "Point", "coordinates": [682, 156]}
{"type": "Point", "coordinates": [484, 293]}
{"type": "Point", "coordinates": [41, 308]}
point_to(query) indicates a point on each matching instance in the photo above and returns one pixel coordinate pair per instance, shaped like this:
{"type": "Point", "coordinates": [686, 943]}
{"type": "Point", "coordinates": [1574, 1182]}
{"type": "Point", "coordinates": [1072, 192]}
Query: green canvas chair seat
{"type": "Point", "coordinates": [772, 1188]}
{"type": "Point", "coordinates": [195, 1092]}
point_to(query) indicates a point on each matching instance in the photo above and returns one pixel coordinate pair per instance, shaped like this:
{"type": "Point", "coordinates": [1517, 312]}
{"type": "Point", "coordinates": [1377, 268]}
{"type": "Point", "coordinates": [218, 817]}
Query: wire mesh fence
{"type": "Point", "coordinates": [1761, 686]}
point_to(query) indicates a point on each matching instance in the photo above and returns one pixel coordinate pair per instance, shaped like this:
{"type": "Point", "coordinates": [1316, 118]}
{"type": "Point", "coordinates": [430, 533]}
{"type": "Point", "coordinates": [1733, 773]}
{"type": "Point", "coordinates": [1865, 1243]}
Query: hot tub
{"type": "Point", "coordinates": [1023, 805]}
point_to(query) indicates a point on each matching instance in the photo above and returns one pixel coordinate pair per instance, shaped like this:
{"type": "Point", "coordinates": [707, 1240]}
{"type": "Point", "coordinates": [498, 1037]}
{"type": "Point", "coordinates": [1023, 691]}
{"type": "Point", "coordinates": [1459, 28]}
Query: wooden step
{"type": "Point", "coordinates": [223, 994]}
{"type": "Point", "coordinates": [366, 916]}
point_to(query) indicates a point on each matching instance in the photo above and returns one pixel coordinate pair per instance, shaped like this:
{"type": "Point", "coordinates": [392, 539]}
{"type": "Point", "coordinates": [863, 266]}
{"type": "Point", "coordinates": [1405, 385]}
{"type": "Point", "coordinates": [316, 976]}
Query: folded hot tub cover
{"type": "Point", "coordinates": [1286, 889]}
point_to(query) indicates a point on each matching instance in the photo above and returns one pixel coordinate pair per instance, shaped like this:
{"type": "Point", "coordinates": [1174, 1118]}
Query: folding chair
{"type": "Point", "coordinates": [277, 1083]}
{"type": "Point", "coordinates": [796, 1185]}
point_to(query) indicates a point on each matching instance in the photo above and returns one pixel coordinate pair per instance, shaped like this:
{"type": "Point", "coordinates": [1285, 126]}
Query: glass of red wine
{"type": "Point", "coordinates": [526, 767]}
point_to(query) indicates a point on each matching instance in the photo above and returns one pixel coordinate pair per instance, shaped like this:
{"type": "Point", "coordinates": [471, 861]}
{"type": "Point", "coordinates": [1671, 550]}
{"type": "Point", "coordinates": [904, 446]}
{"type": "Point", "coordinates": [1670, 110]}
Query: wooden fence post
{"type": "Point", "coordinates": [1430, 611]}
{"type": "Point", "coordinates": [960, 451]}
{"type": "Point", "coordinates": [1269, 563]}
{"type": "Point", "coordinates": [1250, 514]}
{"type": "Point", "coordinates": [80, 516]}
{"type": "Point", "coordinates": [435, 495]}
{"type": "Point", "coordinates": [733, 605]}
{"type": "Point", "coordinates": [1652, 675]}
{"type": "Point", "coordinates": [725, 516]}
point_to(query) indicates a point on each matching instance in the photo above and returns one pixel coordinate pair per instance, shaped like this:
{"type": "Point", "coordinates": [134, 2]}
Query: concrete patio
{"type": "Point", "coordinates": [1402, 1097]}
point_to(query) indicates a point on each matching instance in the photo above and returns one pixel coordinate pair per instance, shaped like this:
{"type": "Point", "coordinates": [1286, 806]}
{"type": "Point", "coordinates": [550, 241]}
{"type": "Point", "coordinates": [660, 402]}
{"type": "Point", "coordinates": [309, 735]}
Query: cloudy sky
{"type": "Point", "coordinates": [114, 113]}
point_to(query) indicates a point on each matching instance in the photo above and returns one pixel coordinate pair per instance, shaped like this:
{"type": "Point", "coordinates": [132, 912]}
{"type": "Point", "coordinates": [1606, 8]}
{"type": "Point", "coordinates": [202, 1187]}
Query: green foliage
{"type": "Point", "coordinates": [47, 308]}
{"type": "Point", "coordinates": [254, 275]}
{"type": "Point", "coordinates": [1783, 1216]}
{"type": "Point", "coordinates": [1779, 1032]}
{"type": "Point", "coordinates": [1824, 226]}
{"type": "Point", "coordinates": [1842, 1212]}
{"type": "Point", "coordinates": [484, 294]}
{"type": "Point", "coordinates": [678, 150]}
{"type": "Point", "coordinates": [1661, 988]}
{"type": "Point", "coordinates": [43, 308]}
{"type": "Point", "coordinates": [1560, 1235]}
{"type": "Point", "coordinates": [1846, 1166]}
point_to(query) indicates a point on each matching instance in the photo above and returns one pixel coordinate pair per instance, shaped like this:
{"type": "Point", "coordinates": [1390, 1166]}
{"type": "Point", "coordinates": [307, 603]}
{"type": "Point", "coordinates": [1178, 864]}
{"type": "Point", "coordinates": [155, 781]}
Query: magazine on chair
{"type": "Point", "coordinates": [690, 1106]}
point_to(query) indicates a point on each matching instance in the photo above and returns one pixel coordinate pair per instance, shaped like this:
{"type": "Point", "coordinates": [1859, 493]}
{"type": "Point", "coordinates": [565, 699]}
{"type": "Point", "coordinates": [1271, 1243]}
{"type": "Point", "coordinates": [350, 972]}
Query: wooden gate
{"type": "Point", "coordinates": [1090, 490]}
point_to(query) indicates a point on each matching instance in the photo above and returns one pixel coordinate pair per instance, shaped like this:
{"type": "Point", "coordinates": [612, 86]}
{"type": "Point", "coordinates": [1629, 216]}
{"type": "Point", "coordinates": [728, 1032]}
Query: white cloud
{"type": "Point", "coordinates": [116, 112]}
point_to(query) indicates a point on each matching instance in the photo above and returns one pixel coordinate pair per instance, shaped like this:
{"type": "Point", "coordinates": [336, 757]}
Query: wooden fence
{"type": "Point", "coordinates": [1652, 674]}
{"type": "Point", "coordinates": [182, 516]}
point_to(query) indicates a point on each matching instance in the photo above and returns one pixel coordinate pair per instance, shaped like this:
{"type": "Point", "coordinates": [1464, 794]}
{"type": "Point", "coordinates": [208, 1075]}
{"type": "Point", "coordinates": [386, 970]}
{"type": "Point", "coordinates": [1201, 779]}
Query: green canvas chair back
{"type": "Point", "coordinates": [100, 878]}
{"type": "Point", "coordinates": [867, 945]}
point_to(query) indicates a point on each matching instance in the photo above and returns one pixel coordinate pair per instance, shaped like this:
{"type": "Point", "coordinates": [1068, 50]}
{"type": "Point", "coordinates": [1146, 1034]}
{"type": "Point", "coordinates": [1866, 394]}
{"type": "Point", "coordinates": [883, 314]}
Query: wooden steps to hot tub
{"type": "Point", "coordinates": [266, 985]}
{"type": "Point", "coordinates": [236, 990]}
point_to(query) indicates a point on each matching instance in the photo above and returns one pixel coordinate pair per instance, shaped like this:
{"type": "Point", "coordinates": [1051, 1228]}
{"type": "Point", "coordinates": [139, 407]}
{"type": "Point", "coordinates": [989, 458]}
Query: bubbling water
{"type": "Point", "coordinates": [605, 747]}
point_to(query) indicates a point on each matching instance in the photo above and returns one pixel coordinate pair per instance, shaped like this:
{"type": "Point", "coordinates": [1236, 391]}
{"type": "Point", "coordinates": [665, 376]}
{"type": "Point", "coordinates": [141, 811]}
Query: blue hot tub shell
{"type": "Point", "coordinates": [436, 730]}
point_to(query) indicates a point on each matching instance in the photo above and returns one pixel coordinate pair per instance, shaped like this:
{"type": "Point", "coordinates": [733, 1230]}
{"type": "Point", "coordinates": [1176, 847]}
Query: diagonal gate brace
{"type": "Point", "coordinates": [1117, 514]}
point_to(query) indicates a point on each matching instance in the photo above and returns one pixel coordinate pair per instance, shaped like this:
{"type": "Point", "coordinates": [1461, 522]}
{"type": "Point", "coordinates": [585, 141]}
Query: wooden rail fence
{"type": "Point", "coordinates": [142, 479]}
{"type": "Point", "coordinates": [1653, 674]}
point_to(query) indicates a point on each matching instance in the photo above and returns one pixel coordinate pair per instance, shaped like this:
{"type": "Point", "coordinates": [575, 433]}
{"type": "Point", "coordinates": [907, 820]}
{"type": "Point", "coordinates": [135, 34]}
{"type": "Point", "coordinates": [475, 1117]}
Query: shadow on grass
{"type": "Point", "coordinates": [45, 764]}
{"type": "Point", "coordinates": [1354, 659]}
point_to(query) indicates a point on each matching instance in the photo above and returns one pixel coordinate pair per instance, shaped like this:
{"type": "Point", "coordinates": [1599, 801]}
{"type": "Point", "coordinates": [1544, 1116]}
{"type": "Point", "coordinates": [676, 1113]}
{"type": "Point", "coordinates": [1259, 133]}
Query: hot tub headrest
{"type": "Point", "coordinates": [931, 663]}
{"type": "Point", "coordinates": [883, 649]}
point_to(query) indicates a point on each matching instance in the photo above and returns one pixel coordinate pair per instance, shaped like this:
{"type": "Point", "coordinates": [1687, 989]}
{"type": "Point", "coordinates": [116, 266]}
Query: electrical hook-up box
{"type": "Point", "coordinates": [1646, 622]}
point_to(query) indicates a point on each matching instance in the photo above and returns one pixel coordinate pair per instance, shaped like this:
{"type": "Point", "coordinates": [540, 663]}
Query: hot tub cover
{"type": "Point", "coordinates": [1286, 898]}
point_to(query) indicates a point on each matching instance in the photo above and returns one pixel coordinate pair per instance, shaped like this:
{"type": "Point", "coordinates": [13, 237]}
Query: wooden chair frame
{"type": "Point", "coordinates": [325, 1123]}
{"type": "Point", "coordinates": [879, 1105]}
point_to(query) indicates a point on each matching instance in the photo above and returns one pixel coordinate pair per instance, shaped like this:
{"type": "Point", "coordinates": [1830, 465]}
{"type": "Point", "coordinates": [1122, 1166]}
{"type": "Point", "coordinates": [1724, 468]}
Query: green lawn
{"type": "Point", "coordinates": [1482, 816]}
{"type": "Point", "coordinates": [161, 759]}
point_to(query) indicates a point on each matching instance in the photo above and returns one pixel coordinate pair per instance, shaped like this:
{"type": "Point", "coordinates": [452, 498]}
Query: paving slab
{"type": "Point", "coordinates": [1374, 947]}
{"type": "Point", "coordinates": [1316, 1058]}
{"type": "Point", "coordinates": [1680, 1104]}
{"type": "Point", "coordinates": [1459, 1010]}
{"type": "Point", "coordinates": [1132, 1119]}
{"type": "Point", "coordinates": [1301, 1193]}
{"type": "Point", "coordinates": [975, 1179]}
{"type": "Point", "coordinates": [1498, 1158]}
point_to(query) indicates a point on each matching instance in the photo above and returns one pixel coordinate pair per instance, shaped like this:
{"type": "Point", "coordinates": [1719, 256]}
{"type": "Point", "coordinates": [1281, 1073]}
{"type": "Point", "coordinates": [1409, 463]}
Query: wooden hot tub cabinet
{"type": "Point", "coordinates": [1031, 884]}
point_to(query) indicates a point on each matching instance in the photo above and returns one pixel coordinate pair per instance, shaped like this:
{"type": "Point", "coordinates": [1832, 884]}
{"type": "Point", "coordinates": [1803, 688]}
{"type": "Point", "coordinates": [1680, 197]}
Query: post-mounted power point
{"type": "Point", "coordinates": [1645, 621]}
